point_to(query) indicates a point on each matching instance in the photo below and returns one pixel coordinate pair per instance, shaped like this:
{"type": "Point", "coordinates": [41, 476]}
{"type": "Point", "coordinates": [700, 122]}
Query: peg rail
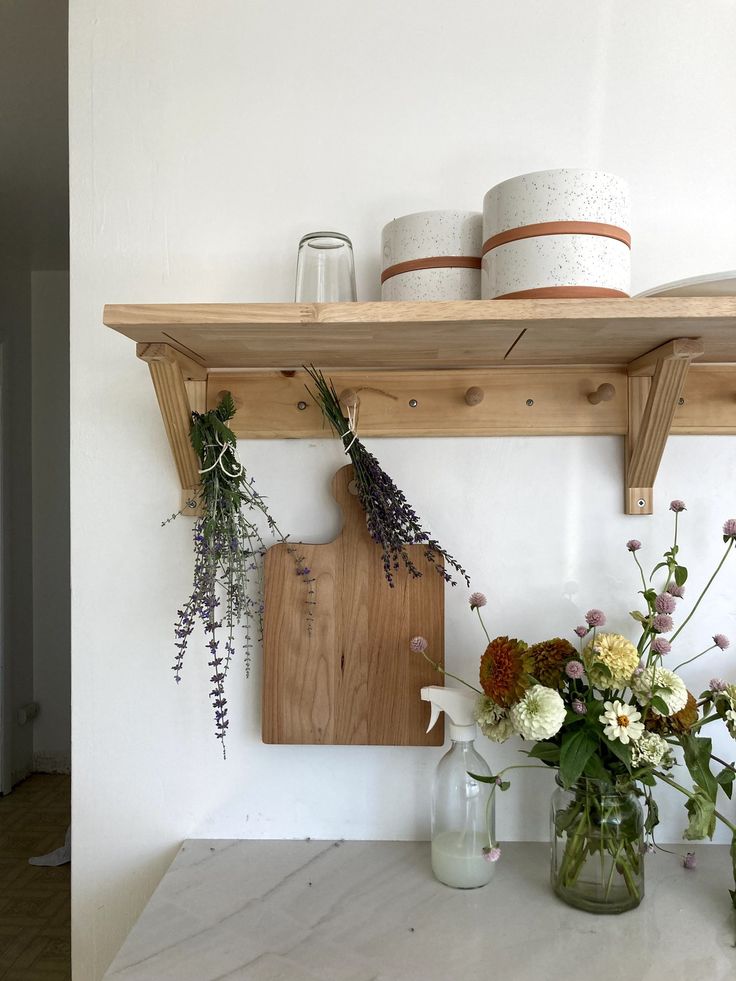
{"type": "Point", "coordinates": [638, 368]}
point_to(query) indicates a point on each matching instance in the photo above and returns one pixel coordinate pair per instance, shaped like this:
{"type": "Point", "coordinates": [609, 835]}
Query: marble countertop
{"type": "Point", "coordinates": [371, 911]}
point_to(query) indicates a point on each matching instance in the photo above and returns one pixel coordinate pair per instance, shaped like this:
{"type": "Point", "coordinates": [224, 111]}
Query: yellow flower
{"type": "Point", "coordinates": [614, 653]}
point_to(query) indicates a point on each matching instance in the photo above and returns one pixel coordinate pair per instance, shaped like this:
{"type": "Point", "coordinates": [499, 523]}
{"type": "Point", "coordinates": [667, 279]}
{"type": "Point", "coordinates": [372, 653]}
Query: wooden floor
{"type": "Point", "coordinates": [35, 942]}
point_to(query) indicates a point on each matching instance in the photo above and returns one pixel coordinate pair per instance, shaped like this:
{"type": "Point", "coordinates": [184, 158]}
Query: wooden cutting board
{"type": "Point", "coordinates": [353, 680]}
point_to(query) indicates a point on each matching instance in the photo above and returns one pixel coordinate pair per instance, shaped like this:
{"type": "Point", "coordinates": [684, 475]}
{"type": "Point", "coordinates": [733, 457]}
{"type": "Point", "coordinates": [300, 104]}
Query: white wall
{"type": "Point", "coordinates": [50, 448]}
{"type": "Point", "coordinates": [205, 139]}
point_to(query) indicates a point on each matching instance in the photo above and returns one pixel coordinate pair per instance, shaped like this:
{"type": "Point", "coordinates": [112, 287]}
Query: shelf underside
{"type": "Point", "coordinates": [468, 334]}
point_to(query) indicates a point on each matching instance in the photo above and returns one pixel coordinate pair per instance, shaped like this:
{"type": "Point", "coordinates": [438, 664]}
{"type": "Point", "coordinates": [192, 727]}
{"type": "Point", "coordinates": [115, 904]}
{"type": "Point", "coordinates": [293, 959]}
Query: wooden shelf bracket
{"type": "Point", "coordinates": [655, 384]}
{"type": "Point", "coordinates": [181, 388]}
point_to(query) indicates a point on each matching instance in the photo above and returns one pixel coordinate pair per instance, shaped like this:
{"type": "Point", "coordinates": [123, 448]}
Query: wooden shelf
{"type": "Point", "coordinates": [468, 334]}
{"type": "Point", "coordinates": [537, 365]}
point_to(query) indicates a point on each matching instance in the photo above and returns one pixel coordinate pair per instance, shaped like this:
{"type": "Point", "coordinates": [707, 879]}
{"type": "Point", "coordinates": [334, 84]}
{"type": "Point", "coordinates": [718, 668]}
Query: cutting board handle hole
{"type": "Point", "coordinates": [353, 488]}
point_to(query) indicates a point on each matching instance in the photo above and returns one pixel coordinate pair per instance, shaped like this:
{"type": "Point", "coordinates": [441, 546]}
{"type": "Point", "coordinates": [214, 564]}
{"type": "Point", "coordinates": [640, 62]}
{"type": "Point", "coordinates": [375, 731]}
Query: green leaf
{"type": "Point", "coordinates": [660, 705]}
{"type": "Point", "coordinates": [504, 785]}
{"type": "Point", "coordinates": [702, 812]}
{"type": "Point", "coordinates": [681, 575]}
{"type": "Point", "coordinates": [697, 759]}
{"type": "Point", "coordinates": [619, 750]}
{"type": "Point", "coordinates": [652, 819]}
{"type": "Point", "coordinates": [595, 770]}
{"type": "Point", "coordinates": [481, 778]}
{"type": "Point", "coordinates": [725, 779]}
{"type": "Point", "coordinates": [733, 863]}
{"type": "Point", "coordinates": [575, 751]}
{"type": "Point", "coordinates": [546, 752]}
{"type": "Point", "coordinates": [639, 617]}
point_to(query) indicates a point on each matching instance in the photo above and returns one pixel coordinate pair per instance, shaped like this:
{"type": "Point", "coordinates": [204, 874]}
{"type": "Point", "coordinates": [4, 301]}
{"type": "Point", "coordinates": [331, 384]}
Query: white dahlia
{"type": "Point", "coordinates": [621, 721]}
{"type": "Point", "coordinates": [493, 720]}
{"type": "Point", "coordinates": [661, 682]}
{"type": "Point", "coordinates": [539, 714]}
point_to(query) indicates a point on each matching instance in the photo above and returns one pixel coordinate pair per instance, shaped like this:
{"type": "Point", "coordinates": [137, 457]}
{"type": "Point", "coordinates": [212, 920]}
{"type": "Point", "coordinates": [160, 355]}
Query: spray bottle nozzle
{"type": "Point", "coordinates": [458, 706]}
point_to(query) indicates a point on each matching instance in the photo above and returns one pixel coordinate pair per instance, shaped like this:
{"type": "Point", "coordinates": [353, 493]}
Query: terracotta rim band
{"type": "Point", "coordinates": [562, 292]}
{"type": "Point", "coordinates": [557, 228]}
{"type": "Point", "coordinates": [432, 262]}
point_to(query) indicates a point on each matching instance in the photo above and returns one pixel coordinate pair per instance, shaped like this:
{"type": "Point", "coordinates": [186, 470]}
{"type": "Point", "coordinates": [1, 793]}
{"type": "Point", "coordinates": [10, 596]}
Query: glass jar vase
{"type": "Point", "coordinates": [597, 847]}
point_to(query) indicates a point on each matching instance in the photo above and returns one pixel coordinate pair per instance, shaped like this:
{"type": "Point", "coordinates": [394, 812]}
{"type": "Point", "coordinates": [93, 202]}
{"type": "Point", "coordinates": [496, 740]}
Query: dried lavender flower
{"type": "Point", "coordinates": [392, 522]}
{"type": "Point", "coordinates": [228, 549]}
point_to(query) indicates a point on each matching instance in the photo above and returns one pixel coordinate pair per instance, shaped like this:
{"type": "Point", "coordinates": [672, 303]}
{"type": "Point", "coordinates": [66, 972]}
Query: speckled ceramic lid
{"type": "Point", "coordinates": [568, 194]}
{"type": "Point", "coordinates": [427, 234]}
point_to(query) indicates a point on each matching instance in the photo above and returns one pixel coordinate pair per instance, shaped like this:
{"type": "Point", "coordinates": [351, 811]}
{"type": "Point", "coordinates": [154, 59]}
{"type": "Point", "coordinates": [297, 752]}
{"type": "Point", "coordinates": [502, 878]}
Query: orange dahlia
{"type": "Point", "coordinates": [505, 670]}
{"type": "Point", "coordinates": [549, 658]}
{"type": "Point", "coordinates": [679, 722]}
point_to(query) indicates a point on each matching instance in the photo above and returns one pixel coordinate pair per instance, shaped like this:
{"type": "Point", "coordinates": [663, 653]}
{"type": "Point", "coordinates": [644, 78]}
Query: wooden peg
{"type": "Point", "coordinates": [604, 393]}
{"type": "Point", "coordinates": [474, 395]}
{"type": "Point", "coordinates": [349, 398]}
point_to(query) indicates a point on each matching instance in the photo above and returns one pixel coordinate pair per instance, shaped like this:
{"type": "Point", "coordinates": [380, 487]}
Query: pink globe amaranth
{"type": "Point", "coordinates": [717, 684]}
{"type": "Point", "coordinates": [720, 640]}
{"type": "Point", "coordinates": [633, 545]}
{"type": "Point", "coordinates": [665, 603]}
{"type": "Point", "coordinates": [677, 506]}
{"type": "Point", "coordinates": [418, 645]}
{"type": "Point", "coordinates": [663, 623]}
{"type": "Point", "coordinates": [674, 590]}
{"type": "Point", "coordinates": [595, 618]}
{"type": "Point", "coordinates": [660, 645]}
{"type": "Point", "coordinates": [574, 669]}
{"type": "Point", "coordinates": [477, 600]}
{"type": "Point", "coordinates": [729, 528]}
{"type": "Point", "coordinates": [581, 631]}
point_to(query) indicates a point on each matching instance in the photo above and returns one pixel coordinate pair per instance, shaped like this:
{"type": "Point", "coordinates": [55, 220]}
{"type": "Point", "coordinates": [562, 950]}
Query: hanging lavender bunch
{"type": "Point", "coordinates": [227, 588]}
{"type": "Point", "coordinates": [392, 522]}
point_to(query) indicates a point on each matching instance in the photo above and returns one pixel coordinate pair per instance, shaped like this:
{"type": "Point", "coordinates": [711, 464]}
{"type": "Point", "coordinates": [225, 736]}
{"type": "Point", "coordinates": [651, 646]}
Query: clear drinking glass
{"type": "Point", "coordinates": [325, 271]}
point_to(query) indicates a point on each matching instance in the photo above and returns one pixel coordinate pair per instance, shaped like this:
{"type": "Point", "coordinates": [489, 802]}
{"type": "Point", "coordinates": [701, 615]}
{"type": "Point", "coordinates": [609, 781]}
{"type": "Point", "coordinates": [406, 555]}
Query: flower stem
{"type": "Point", "coordinates": [707, 587]}
{"type": "Point", "coordinates": [691, 659]}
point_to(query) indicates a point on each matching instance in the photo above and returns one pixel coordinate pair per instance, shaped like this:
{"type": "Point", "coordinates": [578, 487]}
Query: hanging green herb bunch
{"type": "Point", "coordinates": [227, 588]}
{"type": "Point", "coordinates": [392, 522]}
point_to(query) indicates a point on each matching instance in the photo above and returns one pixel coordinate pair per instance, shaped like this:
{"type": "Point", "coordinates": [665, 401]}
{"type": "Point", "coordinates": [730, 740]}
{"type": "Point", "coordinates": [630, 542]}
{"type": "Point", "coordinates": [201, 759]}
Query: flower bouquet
{"type": "Point", "coordinates": [613, 721]}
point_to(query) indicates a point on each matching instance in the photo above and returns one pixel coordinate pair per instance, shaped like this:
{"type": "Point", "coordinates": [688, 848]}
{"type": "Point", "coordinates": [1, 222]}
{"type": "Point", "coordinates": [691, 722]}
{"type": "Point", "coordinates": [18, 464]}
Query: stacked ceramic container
{"type": "Point", "coordinates": [432, 255]}
{"type": "Point", "coordinates": [556, 233]}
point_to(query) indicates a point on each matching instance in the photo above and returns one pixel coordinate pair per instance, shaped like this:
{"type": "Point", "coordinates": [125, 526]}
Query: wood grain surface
{"type": "Point", "coordinates": [353, 680]}
{"type": "Point", "coordinates": [463, 333]}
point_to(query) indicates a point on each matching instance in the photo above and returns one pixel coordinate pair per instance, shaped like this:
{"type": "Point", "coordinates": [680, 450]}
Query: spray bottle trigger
{"type": "Point", "coordinates": [435, 714]}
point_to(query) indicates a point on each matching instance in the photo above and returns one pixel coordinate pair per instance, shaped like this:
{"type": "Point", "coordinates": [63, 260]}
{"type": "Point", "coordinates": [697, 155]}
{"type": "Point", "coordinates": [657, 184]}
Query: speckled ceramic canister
{"type": "Point", "coordinates": [432, 255]}
{"type": "Point", "coordinates": [556, 233]}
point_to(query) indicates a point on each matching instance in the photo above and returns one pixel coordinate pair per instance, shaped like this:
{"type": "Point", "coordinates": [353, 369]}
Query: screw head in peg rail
{"type": "Point", "coordinates": [301, 405]}
{"type": "Point", "coordinates": [530, 402]}
{"type": "Point", "coordinates": [413, 403]}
